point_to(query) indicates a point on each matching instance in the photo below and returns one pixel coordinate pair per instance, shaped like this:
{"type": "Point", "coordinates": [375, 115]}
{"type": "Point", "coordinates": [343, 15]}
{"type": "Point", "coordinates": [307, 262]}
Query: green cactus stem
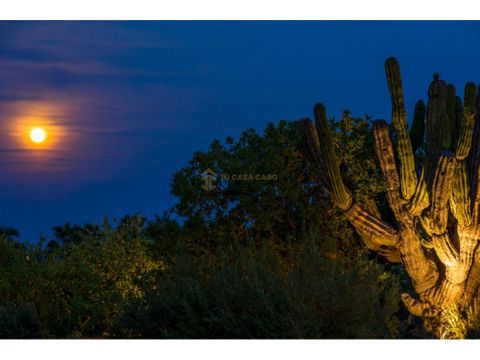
{"type": "Point", "coordinates": [468, 123]}
{"type": "Point", "coordinates": [444, 249]}
{"type": "Point", "coordinates": [441, 190]}
{"type": "Point", "coordinates": [438, 135]}
{"type": "Point", "coordinates": [408, 175]}
{"type": "Point", "coordinates": [321, 145]}
{"type": "Point", "coordinates": [386, 157]}
{"type": "Point", "coordinates": [417, 132]}
{"type": "Point", "coordinates": [460, 203]}
{"type": "Point", "coordinates": [333, 180]}
{"type": "Point", "coordinates": [420, 199]}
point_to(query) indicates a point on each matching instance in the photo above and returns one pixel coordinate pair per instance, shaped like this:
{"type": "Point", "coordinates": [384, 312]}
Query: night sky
{"type": "Point", "coordinates": [125, 104]}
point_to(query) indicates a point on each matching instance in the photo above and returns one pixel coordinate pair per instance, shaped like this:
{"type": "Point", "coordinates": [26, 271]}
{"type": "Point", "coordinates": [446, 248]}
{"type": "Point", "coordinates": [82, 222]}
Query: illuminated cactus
{"type": "Point", "coordinates": [322, 139]}
{"type": "Point", "coordinates": [436, 203]}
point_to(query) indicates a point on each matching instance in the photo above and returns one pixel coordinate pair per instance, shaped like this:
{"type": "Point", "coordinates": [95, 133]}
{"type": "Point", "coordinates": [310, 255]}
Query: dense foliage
{"type": "Point", "coordinates": [248, 259]}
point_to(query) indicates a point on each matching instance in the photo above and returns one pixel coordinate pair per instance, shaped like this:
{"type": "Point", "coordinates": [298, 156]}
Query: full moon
{"type": "Point", "coordinates": [38, 135]}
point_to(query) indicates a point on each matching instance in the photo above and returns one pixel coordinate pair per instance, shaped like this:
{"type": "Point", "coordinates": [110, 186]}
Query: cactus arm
{"type": "Point", "coordinates": [472, 108]}
{"type": "Point", "coordinates": [458, 263]}
{"type": "Point", "coordinates": [475, 151]}
{"type": "Point", "coordinates": [464, 143]}
{"type": "Point", "coordinates": [441, 190]}
{"type": "Point", "coordinates": [473, 279]}
{"type": "Point", "coordinates": [470, 98]}
{"type": "Point", "coordinates": [459, 118]}
{"type": "Point", "coordinates": [460, 203]}
{"type": "Point", "coordinates": [420, 199]}
{"type": "Point", "coordinates": [451, 103]}
{"type": "Point", "coordinates": [371, 227]}
{"type": "Point", "coordinates": [386, 158]}
{"type": "Point", "coordinates": [458, 111]}
{"type": "Point", "coordinates": [468, 237]}
{"type": "Point", "coordinates": [321, 147]}
{"type": "Point", "coordinates": [445, 250]}
{"type": "Point", "coordinates": [392, 254]}
{"type": "Point", "coordinates": [417, 131]}
{"type": "Point", "coordinates": [310, 133]}
{"type": "Point", "coordinates": [322, 140]}
{"type": "Point", "coordinates": [414, 306]}
{"type": "Point", "coordinates": [465, 139]}
{"type": "Point", "coordinates": [408, 175]}
{"type": "Point", "coordinates": [438, 138]}
{"type": "Point", "coordinates": [371, 206]}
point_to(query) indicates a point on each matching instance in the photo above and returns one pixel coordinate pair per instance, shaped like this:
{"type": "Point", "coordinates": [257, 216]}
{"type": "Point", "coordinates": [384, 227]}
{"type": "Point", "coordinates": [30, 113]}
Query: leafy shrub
{"type": "Point", "coordinates": [83, 284]}
{"type": "Point", "coordinates": [251, 294]}
{"type": "Point", "coordinates": [20, 322]}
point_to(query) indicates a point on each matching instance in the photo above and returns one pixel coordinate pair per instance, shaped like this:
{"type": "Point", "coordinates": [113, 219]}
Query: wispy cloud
{"type": "Point", "coordinates": [110, 91]}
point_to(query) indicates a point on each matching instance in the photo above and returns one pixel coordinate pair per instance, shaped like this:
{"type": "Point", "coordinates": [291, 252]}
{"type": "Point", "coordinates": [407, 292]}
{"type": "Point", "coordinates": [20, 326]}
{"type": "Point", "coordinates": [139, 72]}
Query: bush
{"type": "Point", "coordinates": [83, 284]}
{"type": "Point", "coordinates": [20, 322]}
{"type": "Point", "coordinates": [251, 294]}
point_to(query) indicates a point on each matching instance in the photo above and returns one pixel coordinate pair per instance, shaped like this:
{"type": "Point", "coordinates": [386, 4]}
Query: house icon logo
{"type": "Point", "coordinates": [208, 177]}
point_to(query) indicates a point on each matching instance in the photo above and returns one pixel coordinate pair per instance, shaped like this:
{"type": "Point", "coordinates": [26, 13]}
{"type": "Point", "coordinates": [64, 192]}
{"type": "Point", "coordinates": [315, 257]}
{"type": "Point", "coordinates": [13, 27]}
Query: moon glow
{"type": "Point", "coordinates": [38, 135]}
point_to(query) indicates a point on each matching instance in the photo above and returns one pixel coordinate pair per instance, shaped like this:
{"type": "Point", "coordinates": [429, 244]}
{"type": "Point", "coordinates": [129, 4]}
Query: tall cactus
{"type": "Point", "coordinates": [436, 202]}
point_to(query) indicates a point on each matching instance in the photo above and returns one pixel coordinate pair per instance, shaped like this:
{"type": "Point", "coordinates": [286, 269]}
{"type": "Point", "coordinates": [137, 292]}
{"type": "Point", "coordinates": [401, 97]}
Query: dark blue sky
{"type": "Point", "coordinates": [126, 103]}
